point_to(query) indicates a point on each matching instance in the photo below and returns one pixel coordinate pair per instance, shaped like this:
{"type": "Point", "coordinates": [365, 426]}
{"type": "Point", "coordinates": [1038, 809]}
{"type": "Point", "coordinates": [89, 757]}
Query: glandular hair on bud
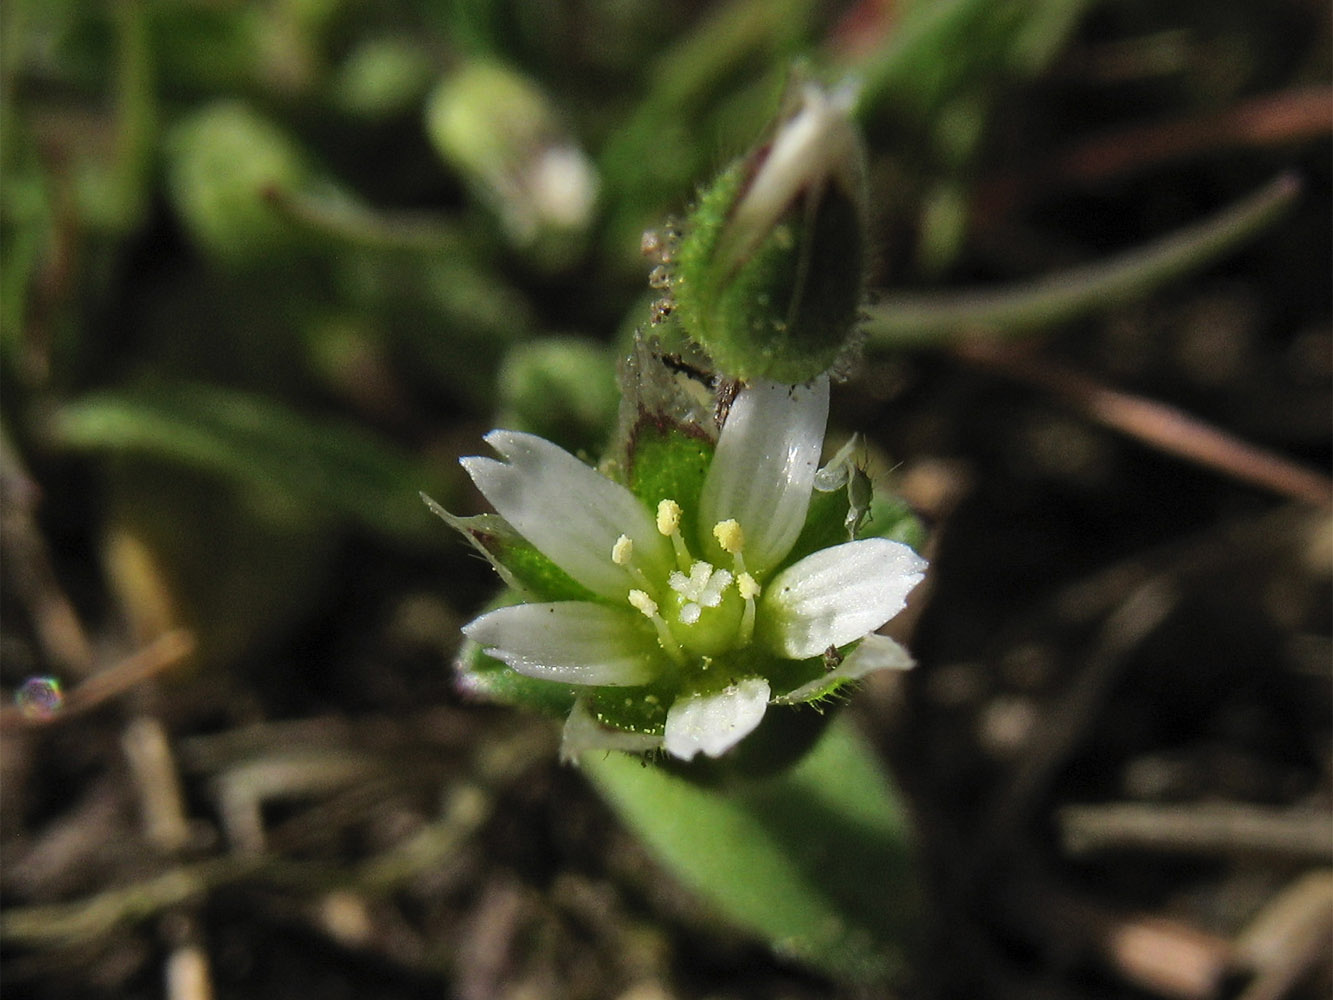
{"type": "Point", "coordinates": [771, 267]}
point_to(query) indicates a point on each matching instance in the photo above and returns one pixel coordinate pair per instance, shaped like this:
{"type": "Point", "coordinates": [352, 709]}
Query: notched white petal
{"type": "Point", "coordinates": [573, 514]}
{"type": "Point", "coordinates": [714, 723]}
{"type": "Point", "coordinates": [572, 642]}
{"type": "Point", "coordinates": [837, 595]}
{"type": "Point", "coordinates": [764, 468]}
{"type": "Point", "coordinates": [584, 733]}
{"type": "Point", "coordinates": [874, 652]}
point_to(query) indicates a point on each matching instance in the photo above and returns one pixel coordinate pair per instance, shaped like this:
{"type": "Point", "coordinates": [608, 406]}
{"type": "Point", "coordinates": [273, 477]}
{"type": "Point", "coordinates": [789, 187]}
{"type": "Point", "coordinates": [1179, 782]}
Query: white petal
{"type": "Point", "coordinates": [714, 723]}
{"type": "Point", "coordinates": [583, 733]}
{"type": "Point", "coordinates": [764, 468]}
{"type": "Point", "coordinates": [569, 511]}
{"type": "Point", "coordinates": [836, 595]}
{"type": "Point", "coordinates": [573, 642]}
{"type": "Point", "coordinates": [874, 652]}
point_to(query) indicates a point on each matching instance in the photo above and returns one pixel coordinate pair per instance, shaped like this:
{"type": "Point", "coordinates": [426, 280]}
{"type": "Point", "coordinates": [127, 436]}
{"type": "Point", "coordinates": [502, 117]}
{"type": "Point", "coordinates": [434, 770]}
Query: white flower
{"type": "Point", "coordinates": [695, 617]}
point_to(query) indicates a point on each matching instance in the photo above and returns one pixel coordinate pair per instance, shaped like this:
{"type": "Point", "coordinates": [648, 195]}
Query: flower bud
{"type": "Point", "coordinates": [770, 271]}
{"type": "Point", "coordinates": [503, 136]}
{"type": "Point", "coordinates": [225, 162]}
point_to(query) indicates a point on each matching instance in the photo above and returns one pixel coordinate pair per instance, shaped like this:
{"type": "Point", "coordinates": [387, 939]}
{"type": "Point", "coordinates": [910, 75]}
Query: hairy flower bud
{"type": "Point", "coordinates": [770, 270]}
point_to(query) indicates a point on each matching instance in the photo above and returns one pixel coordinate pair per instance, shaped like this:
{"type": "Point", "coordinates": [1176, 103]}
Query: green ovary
{"type": "Point", "coordinates": [706, 631]}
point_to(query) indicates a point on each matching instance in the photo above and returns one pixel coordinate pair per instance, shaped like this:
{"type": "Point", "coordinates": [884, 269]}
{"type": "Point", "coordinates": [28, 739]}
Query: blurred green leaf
{"type": "Point", "coordinates": [332, 468]}
{"type": "Point", "coordinates": [942, 51]}
{"type": "Point", "coordinates": [906, 320]}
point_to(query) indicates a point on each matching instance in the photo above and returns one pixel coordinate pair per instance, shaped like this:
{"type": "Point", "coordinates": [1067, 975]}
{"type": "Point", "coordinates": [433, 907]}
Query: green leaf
{"type": "Point", "coordinates": [817, 861]}
{"type": "Point", "coordinates": [331, 468]}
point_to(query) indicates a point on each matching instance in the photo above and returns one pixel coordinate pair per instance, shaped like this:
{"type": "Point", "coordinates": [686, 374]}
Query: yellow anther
{"type": "Point", "coordinates": [646, 606]}
{"type": "Point", "coordinates": [729, 535]}
{"type": "Point", "coordinates": [668, 517]}
{"type": "Point", "coordinates": [642, 603]}
{"type": "Point", "coordinates": [622, 550]}
{"type": "Point", "coordinates": [748, 586]}
{"type": "Point", "coordinates": [668, 523]}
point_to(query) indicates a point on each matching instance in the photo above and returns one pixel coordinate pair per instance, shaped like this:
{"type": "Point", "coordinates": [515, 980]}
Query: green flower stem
{"type": "Point", "coordinates": [136, 113]}
{"type": "Point", "coordinates": [906, 321]}
{"type": "Point", "coordinates": [339, 219]}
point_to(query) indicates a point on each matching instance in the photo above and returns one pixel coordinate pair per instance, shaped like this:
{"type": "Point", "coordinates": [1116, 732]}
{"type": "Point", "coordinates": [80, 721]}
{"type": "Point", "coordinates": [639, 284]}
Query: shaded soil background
{"type": "Point", "coordinates": [1116, 743]}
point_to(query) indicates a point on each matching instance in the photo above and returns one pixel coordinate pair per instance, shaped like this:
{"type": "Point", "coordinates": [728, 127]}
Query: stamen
{"type": "Point", "coordinates": [646, 606]}
{"type": "Point", "coordinates": [747, 622]}
{"type": "Point", "coordinates": [668, 517]}
{"type": "Point", "coordinates": [668, 523]}
{"type": "Point", "coordinates": [748, 586]}
{"type": "Point", "coordinates": [643, 604]}
{"type": "Point", "coordinates": [622, 554]}
{"type": "Point", "coordinates": [730, 536]}
{"type": "Point", "coordinates": [622, 551]}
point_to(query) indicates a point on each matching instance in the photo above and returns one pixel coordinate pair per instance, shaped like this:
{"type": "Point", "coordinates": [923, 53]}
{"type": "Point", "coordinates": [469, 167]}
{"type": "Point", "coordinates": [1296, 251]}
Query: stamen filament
{"type": "Point", "coordinates": [749, 590]}
{"type": "Point", "coordinates": [647, 607]}
{"type": "Point", "coordinates": [668, 524]}
{"type": "Point", "coordinates": [622, 554]}
{"type": "Point", "coordinates": [747, 622]}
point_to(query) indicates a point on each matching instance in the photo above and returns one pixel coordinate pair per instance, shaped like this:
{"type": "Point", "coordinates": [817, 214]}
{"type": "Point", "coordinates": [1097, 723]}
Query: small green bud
{"type": "Point", "coordinates": [383, 77]}
{"type": "Point", "coordinates": [770, 271]}
{"type": "Point", "coordinates": [499, 131]}
{"type": "Point", "coordinates": [224, 164]}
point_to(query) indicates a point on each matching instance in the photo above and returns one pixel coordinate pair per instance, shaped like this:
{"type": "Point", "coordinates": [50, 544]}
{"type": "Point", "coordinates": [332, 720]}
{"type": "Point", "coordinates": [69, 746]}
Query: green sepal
{"type": "Point", "coordinates": [807, 671]}
{"type": "Point", "coordinates": [666, 460]}
{"type": "Point", "coordinates": [487, 678]}
{"type": "Point", "coordinates": [891, 518]}
{"type": "Point", "coordinates": [825, 525]}
{"type": "Point", "coordinates": [521, 566]}
{"type": "Point", "coordinates": [631, 710]}
{"type": "Point", "coordinates": [831, 520]}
